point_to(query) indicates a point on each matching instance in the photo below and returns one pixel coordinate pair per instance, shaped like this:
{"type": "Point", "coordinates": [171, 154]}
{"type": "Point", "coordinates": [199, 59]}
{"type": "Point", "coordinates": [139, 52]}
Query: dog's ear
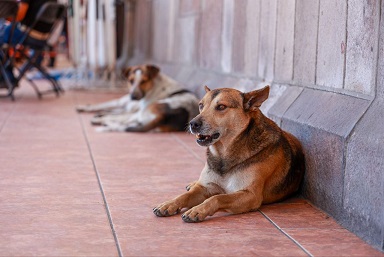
{"type": "Point", "coordinates": [125, 72]}
{"type": "Point", "coordinates": [255, 98]}
{"type": "Point", "coordinates": [207, 89]}
{"type": "Point", "coordinates": [152, 71]}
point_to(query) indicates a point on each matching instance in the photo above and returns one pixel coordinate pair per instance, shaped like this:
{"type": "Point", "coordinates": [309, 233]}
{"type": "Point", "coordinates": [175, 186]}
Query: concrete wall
{"type": "Point", "coordinates": [324, 60]}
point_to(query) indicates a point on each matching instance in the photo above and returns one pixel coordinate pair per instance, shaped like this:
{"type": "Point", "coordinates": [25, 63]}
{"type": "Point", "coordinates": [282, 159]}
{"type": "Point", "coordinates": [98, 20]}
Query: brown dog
{"type": "Point", "coordinates": [250, 160]}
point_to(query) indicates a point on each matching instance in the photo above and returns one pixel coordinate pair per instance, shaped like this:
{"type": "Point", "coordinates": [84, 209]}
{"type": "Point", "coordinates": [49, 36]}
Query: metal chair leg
{"type": "Point", "coordinates": [10, 85]}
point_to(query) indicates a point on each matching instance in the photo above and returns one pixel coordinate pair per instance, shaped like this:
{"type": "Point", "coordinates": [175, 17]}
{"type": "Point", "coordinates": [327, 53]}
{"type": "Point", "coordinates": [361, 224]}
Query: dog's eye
{"type": "Point", "coordinates": [201, 106]}
{"type": "Point", "coordinates": [221, 107]}
{"type": "Point", "coordinates": [131, 81]}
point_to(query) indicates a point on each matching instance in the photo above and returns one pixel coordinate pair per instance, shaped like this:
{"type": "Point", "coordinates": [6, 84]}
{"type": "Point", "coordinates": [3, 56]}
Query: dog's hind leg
{"type": "Point", "coordinates": [104, 119]}
{"type": "Point", "coordinates": [111, 127]}
{"type": "Point", "coordinates": [145, 122]}
{"type": "Point", "coordinates": [162, 117]}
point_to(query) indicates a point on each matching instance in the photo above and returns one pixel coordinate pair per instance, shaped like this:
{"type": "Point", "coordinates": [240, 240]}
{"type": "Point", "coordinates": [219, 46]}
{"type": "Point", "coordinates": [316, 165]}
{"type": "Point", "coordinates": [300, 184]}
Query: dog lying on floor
{"type": "Point", "coordinates": [156, 102]}
{"type": "Point", "coordinates": [250, 160]}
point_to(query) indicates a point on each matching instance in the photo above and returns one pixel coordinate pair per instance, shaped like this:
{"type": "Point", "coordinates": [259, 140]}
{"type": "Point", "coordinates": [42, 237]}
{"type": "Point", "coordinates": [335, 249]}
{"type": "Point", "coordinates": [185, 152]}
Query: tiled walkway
{"type": "Point", "coordinates": [66, 190]}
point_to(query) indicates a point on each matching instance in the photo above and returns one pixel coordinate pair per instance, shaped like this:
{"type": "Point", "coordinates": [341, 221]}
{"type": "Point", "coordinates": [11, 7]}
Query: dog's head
{"type": "Point", "coordinates": [140, 79]}
{"type": "Point", "coordinates": [224, 113]}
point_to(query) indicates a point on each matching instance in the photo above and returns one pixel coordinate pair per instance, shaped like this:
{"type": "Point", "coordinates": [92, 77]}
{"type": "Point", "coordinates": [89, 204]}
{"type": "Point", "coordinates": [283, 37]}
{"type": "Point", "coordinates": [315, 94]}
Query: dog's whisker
{"type": "Point", "coordinates": [187, 129]}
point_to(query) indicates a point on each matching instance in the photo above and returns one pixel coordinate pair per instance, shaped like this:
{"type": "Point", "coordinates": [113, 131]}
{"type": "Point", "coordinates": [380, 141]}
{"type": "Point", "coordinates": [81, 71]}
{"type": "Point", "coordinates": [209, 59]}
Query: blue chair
{"type": "Point", "coordinates": [51, 14]}
{"type": "Point", "coordinates": [8, 10]}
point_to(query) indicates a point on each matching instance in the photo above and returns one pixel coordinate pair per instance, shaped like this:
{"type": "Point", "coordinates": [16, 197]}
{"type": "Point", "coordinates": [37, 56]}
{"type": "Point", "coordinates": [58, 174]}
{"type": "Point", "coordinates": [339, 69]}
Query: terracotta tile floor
{"type": "Point", "coordinates": [66, 190]}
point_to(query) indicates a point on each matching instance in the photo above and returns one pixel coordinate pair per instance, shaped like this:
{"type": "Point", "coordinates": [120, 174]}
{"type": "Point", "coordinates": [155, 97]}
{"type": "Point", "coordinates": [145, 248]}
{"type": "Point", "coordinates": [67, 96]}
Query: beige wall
{"type": "Point", "coordinates": [325, 44]}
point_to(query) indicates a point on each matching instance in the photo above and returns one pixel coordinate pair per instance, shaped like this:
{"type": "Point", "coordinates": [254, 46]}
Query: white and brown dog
{"type": "Point", "coordinates": [155, 102]}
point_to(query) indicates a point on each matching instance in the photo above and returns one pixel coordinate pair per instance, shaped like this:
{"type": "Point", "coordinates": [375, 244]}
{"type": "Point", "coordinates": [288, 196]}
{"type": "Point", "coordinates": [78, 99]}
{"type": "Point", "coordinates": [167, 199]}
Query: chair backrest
{"type": "Point", "coordinates": [50, 13]}
{"type": "Point", "coordinates": [57, 20]}
{"type": "Point", "coordinates": [8, 8]}
{"type": "Point", "coordinates": [55, 33]}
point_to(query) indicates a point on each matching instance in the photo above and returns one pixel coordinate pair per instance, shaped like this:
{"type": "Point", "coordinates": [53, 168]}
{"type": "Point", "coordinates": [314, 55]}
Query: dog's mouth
{"type": "Point", "coordinates": [205, 140]}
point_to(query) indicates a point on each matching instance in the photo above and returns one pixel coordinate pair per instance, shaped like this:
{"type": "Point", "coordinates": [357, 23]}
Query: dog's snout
{"type": "Point", "coordinates": [195, 124]}
{"type": "Point", "coordinates": [135, 97]}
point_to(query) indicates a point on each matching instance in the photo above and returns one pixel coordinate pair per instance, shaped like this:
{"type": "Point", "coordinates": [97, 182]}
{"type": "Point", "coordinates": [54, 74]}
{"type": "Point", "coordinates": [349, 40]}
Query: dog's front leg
{"type": "Point", "coordinates": [116, 103]}
{"type": "Point", "coordinates": [196, 195]}
{"type": "Point", "coordinates": [238, 202]}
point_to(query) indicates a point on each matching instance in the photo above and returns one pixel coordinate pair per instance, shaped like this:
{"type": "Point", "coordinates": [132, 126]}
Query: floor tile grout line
{"type": "Point", "coordinates": [101, 188]}
{"type": "Point", "coordinates": [8, 116]}
{"type": "Point", "coordinates": [6, 119]}
{"type": "Point", "coordinates": [187, 148]}
{"type": "Point", "coordinates": [14, 102]}
{"type": "Point", "coordinates": [286, 234]}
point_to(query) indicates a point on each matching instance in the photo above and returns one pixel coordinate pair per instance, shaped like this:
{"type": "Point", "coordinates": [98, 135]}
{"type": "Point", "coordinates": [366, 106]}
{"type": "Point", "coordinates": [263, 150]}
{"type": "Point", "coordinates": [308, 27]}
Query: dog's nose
{"type": "Point", "coordinates": [134, 97]}
{"type": "Point", "coordinates": [195, 124]}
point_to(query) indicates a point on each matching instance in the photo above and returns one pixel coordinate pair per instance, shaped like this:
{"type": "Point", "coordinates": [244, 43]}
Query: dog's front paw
{"type": "Point", "coordinates": [97, 120]}
{"type": "Point", "coordinates": [102, 129]}
{"type": "Point", "coordinates": [83, 108]}
{"type": "Point", "coordinates": [167, 209]}
{"type": "Point", "coordinates": [135, 127]}
{"type": "Point", "coordinates": [196, 214]}
{"type": "Point", "coordinates": [190, 185]}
